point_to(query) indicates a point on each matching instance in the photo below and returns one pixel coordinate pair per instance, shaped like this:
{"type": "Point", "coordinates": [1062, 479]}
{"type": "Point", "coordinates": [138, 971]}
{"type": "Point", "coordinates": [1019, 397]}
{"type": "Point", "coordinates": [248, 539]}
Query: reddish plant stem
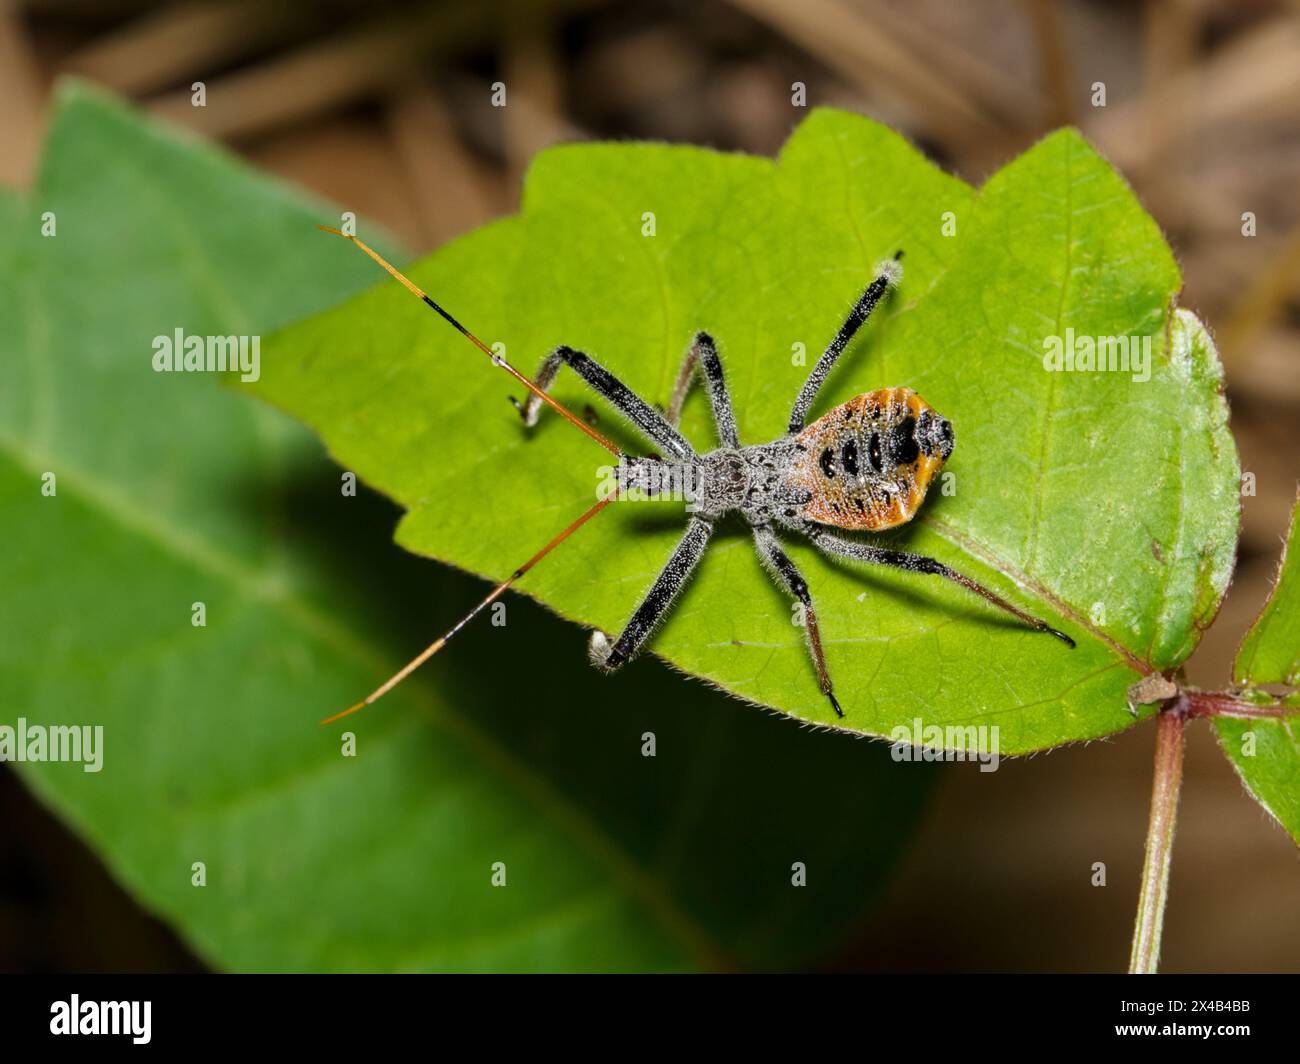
{"type": "Point", "coordinates": [1217, 704]}
{"type": "Point", "coordinates": [1165, 788]}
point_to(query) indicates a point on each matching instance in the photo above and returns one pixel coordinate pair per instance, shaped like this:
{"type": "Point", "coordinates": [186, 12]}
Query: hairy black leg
{"type": "Point", "coordinates": [888, 273]}
{"type": "Point", "coordinates": [919, 563]}
{"type": "Point", "coordinates": [703, 355]}
{"type": "Point", "coordinates": [643, 416]}
{"type": "Point", "coordinates": [777, 562]}
{"type": "Point", "coordinates": [672, 577]}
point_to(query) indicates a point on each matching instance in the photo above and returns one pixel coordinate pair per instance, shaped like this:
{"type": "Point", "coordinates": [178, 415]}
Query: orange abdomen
{"type": "Point", "coordinates": [867, 464]}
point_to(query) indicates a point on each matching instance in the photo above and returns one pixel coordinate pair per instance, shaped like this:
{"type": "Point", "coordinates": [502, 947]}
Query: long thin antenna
{"type": "Point", "coordinates": [497, 360]}
{"type": "Point", "coordinates": [495, 594]}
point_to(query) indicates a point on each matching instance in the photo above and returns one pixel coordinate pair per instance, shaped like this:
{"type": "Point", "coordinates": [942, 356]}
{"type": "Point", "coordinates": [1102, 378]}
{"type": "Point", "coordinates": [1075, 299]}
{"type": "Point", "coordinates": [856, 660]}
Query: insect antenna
{"type": "Point", "coordinates": [497, 360]}
{"type": "Point", "coordinates": [501, 588]}
{"type": "Point", "coordinates": [492, 596]}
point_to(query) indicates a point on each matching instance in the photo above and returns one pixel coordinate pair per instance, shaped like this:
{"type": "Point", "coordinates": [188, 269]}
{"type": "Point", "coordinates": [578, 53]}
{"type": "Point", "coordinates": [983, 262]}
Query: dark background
{"type": "Point", "coordinates": [384, 107]}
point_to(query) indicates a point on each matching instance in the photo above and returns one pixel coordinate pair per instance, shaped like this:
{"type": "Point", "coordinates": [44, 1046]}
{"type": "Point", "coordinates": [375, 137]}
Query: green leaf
{"type": "Point", "coordinates": [1270, 653]}
{"type": "Point", "coordinates": [1105, 504]}
{"type": "Point", "coordinates": [1266, 753]}
{"type": "Point", "coordinates": [173, 490]}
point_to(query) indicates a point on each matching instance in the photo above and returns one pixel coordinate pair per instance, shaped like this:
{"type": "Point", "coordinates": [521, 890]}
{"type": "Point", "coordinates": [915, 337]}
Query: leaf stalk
{"type": "Point", "coordinates": [1165, 788]}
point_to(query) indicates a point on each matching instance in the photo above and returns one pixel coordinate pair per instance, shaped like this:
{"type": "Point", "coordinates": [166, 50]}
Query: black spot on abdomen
{"type": "Point", "coordinates": [849, 456]}
{"type": "Point", "coordinates": [826, 460]}
{"type": "Point", "coordinates": [903, 447]}
{"type": "Point", "coordinates": [874, 461]}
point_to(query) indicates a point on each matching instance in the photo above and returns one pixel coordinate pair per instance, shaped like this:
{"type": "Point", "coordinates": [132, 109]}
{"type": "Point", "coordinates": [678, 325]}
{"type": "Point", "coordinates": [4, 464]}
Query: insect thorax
{"type": "Point", "coordinates": [752, 479]}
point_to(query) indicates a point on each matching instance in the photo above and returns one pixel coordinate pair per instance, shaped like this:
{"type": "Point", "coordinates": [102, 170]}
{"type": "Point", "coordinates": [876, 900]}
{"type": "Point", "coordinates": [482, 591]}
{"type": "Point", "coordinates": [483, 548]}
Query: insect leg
{"type": "Point", "coordinates": [777, 562]}
{"type": "Point", "coordinates": [888, 274]}
{"type": "Point", "coordinates": [671, 579]}
{"type": "Point", "coordinates": [643, 416]}
{"type": "Point", "coordinates": [918, 563]}
{"type": "Point", "coordinates": [703, 354]}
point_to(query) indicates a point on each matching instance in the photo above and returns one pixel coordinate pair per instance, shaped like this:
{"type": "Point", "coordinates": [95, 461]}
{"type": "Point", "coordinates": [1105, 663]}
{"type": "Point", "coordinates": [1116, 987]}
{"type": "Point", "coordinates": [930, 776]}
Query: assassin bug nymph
{"type": "Point", "coordinates": [864, 466]}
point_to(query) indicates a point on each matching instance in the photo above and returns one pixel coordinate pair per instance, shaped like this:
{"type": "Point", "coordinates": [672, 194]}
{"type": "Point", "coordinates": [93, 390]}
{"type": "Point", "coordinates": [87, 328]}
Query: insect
{"type": "Point", "coordinates": [864, 466]}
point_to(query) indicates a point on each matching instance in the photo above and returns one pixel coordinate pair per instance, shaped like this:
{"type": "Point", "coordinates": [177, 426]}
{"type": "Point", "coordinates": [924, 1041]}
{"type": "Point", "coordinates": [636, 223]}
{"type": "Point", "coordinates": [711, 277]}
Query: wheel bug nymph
{"type": "Point", "coordinates": [864, 466]}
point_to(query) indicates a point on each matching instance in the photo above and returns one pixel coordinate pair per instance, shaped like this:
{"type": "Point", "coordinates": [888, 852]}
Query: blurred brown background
{"type": "Point", "coordinates": [385, 108]}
